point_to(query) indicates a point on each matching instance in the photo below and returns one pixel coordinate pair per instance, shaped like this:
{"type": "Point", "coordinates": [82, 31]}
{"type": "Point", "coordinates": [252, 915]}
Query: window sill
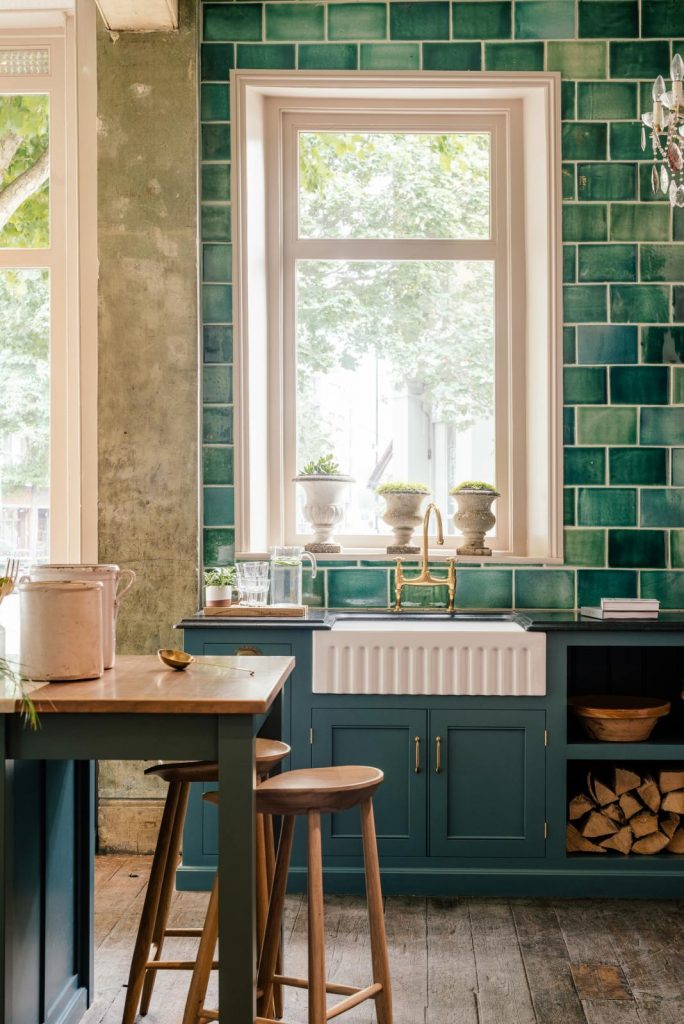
{"type": "Point", "coordinates": [368, 556]}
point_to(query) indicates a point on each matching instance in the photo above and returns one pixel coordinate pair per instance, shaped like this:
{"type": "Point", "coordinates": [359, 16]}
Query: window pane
{"type": "Point", "coordinates": [395, 375]}
{"type": "Point", "coordinates": [24, 172]}
{"type": "Point", "coordinates": [21, 61]}
{"type": "Point", "coordinates": [24, 414]}
{"type": "Point", "coordinates": [394, 185]}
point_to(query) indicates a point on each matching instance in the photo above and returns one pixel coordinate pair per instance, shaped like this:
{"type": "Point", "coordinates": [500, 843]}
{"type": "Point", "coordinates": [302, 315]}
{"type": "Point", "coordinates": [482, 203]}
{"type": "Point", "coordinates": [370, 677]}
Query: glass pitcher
{"type": "Point", "coordinates": [286, 574]}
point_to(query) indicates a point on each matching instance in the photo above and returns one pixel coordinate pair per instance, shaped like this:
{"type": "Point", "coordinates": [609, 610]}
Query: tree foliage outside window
{"type": "Point", "coordinates": [24, 172]}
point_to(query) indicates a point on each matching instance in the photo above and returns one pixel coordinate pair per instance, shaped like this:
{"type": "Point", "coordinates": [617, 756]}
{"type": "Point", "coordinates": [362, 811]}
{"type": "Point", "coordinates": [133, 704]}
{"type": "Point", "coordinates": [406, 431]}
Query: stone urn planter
{"type": "Point", "coordinates": [403, 513]}
{"type": "Point", "coordinates": [474, 516]}
{"type": "Point", "coordinates": [324, 508]}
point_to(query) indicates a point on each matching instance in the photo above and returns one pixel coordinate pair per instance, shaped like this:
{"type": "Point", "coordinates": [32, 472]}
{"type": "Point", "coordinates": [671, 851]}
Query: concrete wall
{"type": "Point", "coordinates": [147, 170]}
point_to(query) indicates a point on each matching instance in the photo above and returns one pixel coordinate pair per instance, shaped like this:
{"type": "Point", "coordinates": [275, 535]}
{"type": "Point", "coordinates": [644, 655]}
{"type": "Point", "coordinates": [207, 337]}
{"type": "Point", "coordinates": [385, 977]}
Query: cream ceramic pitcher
{"type": "Point", "coordinates": [61, 630]}
{"type": "Point", "coordinates": [110, 576]}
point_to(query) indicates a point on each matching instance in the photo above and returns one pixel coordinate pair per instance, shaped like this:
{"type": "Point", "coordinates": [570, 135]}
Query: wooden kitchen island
{"type": "Point", "coordinates": [139, 710]}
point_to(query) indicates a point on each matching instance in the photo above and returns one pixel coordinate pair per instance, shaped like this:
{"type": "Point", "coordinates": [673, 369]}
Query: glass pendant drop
{"type": "Point", "coordinates": [643, 138]}
{"type": "Point", "coordinates": [664, 179]}
{"type": "Point", "coordinates": [655, 180]}
{"type": "Point", "coordinates": [679, 196]}
{"type": "Point", "coordinates": [674, 157]}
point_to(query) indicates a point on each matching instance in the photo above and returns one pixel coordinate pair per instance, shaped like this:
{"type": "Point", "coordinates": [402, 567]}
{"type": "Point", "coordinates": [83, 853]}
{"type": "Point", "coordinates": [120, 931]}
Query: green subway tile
{"type": "Point", "coordinates": [662, 506]}
{"type": "Point", "coordinates": [605, 101]}
{"type": "Point", "coordinates": [639, 385]}
{"type": "Point", "coordinates": [427, 19]}
{"type": "Point", "coordinates": [217, 424]}
{"type": "Point", "coordinates": [662, 262]}
{"type": "Point", "coordinates": [219, 547]}
{"type": "Point", "coordinates": [662, 18]}
{"type": "Point", "coordinates": [634, 222]}
{"type": "Point", "coordinates": [544, 588]}
{"type": "Point", "coordinates": [217, 263]}
{"type": "Point", "coordinates": [607, 506]}
{"type": "Point", "coordinates": [569, 506]}
{"type": "Point", "coordinates": [582, 140]}
{"type": "Point", "coordinates": [217, 303]}
{"type": "Point", "coordinates": [584, 547]}
{"type": "Point", "coordinates": [677, 549]}
{"type": "Point", "coordinates": [215, 103]}
{"type": "Point", "coordinates": [568, 101]}
{"type": "Point", "coordinates": [569, 264]}
{"type": "Point", "coordinates": [584, 466]}
{"type": "Point", "coordinates": [610, 19]}
{"type": "Point", "coordinates": [544, 19]}
{"type": "Point", "coordinates": [482, 20]}
{"type": "Point", "coordinates": [625, 141]}
{"type": "Point", "coordinates": [678, 304]}
{"type": "Point", "coordinates": [662, 426]}
{"type": "Point", "coordinates": [607, 426]}
{"type": "Point", "coordinates": [662, 344]}
{"type": "Point", "coordinates": [677, 224]}
{"type": "Point", "coordinates": [584, 303]}
{"type": "Point", "coordinates": [218, 506]}
{"type": "Point", "coordinates": [593, 584]}
{"type": "Point", "coordinates": [607, 343]}
{"type": "Point", "coordinates": [668, 587]}
{"type": "Point", "coordinates": [217, 343]}
{"type": "Point", "coordinates": [583, 223]}
{"type": "Point", "coordinates": [607, 263]}
{"type": "Point", "coordinates": [646, 193]}
{"type": "Point", "coordinates": [584, 385]}
{"type": "Point", "coordinates": [578, 60]}
{"type": "Point", "coordinates": [357, 21]}
{"type": "Point", "coordinates": [215, 182]}
{"type": "Point", "coordinates": [639, 60]}
{"type": "Point", "coordinates": [215, 142]}
{"type": "Point", "coordinates": [217, 384]}
{"type": "Point", "coordinates": [568, 425]}
{"type": "Point", "coordinates": [638, 465]}
{"type": "Point", "coordinates": [636, 549]}
{"type": "Point", "coordinates": [232, 21]}
{"type": "Point", "coordinates": [678, 467]}
{"type": "Point", "coordinates": [270, 56]}
{"type": "Point", "coordinates": [514, 56]}
{"type": "Point", "coordinates": [451, 56]}
{"type": "Point", "coordinates": [569, 345]}
{"type": "Point", "coordinates": [328, 57]}
{"type": "Point", "coordinates": [390, 57]}
{"type": "Point", "coordinates": [299, 21]}
{"type": "Point", "coordinates": [422, 597]}
{"type": "Point", "coordinates": [313, 590]}
{"type": "Point", "coordinates": [568, 181]}
{"type": "Point", "coordinates": [357, 588]}
{"type": "Point", "coordinates": [217, 59]}
{"type": "Point", "coordinates": [217, 465]}
{"type": "Point", "coordinates": [677, 386]}
{"type": "Point", "coordinates": [639, 303]}
{"type": "Point", "coordinates": [606, 181]}
{"type": "Point", "coordinates": [484, 588]}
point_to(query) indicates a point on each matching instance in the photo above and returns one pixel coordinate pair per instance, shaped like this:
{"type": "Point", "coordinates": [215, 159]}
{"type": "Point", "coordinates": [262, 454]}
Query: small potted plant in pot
{"type": "Point", "coordinates": [474, 516]}
{"type": "Point", "coordinates": [324, 486]}
{"type": "Point", "coordinates": [218, 586]}
{"type": "Point", "coordinates": [403, 508]}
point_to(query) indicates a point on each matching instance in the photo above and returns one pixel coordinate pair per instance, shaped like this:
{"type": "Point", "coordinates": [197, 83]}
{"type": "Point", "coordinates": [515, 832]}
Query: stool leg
{"type": "Point", "coordinates": [317, 1004]}
{"type": "Point", "coordinates": [376, 918]}
{"type": "Point", "coordinates": [269, 952]}
{"type": "Point", "coordinates": [143, 940]}
{"type": "Point", "coordinates": [167, 890]}
{"type": "Point", "coordinates": [263, 888]}
{"type": "Point", "coordinates": [197, 993]}
{"type": "Point", "coordinates": [270, 872]}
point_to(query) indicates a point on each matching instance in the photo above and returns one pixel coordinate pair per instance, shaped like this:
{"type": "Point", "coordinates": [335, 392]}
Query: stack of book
{"type": "Point", "coordinates": [624, 608]}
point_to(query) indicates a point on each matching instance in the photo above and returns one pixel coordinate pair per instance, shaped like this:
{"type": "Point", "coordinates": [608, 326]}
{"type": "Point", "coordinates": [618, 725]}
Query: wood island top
{"type": "Point", "coordinates": [141, 684]}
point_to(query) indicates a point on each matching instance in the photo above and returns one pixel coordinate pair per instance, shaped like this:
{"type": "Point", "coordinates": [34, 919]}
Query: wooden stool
{"type": "Point", "coordinates": [312, 792]}
{"type": "Point", "coordinates": [153, 929]}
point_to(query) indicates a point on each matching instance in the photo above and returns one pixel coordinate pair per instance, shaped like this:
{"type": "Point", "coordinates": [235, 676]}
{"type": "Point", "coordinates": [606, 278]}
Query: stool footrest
{"type": "Point", "coordinates": [331, 987]}
{"type": "Point", "coordinates": [355, 996]}
{"type": "Point", "coordinates": [183, 933]}
{"type": "Point", "coordinates": [359, 996]}
{"type": "Point", "coordinates": [174, 965]}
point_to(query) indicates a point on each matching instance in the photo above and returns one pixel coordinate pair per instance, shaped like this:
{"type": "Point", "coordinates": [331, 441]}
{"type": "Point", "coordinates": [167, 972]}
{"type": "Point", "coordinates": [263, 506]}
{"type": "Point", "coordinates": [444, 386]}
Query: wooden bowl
{"type": "Point", "coordinates": [614, 719]}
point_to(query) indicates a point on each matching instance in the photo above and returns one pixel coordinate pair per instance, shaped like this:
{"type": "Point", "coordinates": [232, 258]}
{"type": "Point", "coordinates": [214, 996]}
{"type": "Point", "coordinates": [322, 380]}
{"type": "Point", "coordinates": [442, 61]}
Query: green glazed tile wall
{"type": "Point", "coordinates": [623, 264]}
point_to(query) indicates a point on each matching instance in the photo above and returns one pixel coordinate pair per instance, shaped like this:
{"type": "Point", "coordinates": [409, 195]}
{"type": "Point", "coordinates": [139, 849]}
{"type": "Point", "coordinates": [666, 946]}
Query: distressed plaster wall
{"type": "Point", "coordinates": [147, 402]}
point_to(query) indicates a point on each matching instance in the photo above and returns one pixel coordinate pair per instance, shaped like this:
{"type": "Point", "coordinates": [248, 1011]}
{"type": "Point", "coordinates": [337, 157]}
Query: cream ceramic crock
{"type": "Point", "coordinates": [61, 630]}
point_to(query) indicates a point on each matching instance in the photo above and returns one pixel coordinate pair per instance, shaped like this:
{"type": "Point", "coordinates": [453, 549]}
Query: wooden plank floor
{"type": "Point", "coordinates": [454, 961]}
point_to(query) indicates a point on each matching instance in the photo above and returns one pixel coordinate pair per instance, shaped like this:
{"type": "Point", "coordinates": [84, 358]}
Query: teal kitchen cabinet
{"type": "Point", "coordinates": [392, 739]}
{"type": "Point", "coordinates": [487, 792]}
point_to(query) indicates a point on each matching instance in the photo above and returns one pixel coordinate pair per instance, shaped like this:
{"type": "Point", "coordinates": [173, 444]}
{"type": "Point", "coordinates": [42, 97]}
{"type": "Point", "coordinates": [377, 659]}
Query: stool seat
{"type": "Point", "coordinates": [267, 753]}
{"type": "Point", "coordinates": [325, 790]}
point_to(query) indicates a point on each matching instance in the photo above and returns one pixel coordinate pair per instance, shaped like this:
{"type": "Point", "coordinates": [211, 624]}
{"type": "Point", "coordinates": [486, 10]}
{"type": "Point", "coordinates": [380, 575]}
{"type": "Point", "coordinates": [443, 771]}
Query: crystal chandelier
{"type": "Point", "coordinates": [666, 122]}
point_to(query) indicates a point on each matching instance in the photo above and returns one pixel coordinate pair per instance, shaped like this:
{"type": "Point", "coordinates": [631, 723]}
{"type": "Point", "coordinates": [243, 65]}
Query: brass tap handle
{"type": "Point", "coordinates": [438, 765]}
{"type": "Point", "coordinates": [417, 742]}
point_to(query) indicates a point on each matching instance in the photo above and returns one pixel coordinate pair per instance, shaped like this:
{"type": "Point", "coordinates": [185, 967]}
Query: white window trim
{"type": "Point", "coordinates": [261, 104]}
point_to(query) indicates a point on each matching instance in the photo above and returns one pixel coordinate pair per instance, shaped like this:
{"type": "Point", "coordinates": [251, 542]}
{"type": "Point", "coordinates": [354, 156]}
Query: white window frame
{"type": "Point", "coordinates": [71, 259]}
{"type": "Point", "coordinates": [522, 112]}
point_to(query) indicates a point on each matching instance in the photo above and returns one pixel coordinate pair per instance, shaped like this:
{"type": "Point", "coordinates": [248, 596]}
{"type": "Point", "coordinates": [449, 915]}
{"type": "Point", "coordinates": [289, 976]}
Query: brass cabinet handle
{"type": "Point", "coordinates": [417, 742]}
{"type": "Point", "coordinates": [247, 650]}
{"type": "Point", "coordinates": [438, 766]}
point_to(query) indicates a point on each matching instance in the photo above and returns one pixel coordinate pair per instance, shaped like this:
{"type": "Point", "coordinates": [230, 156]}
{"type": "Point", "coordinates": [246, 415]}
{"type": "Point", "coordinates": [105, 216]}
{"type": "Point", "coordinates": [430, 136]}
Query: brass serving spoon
{"type": "Point", "coordinates": [180, 660]}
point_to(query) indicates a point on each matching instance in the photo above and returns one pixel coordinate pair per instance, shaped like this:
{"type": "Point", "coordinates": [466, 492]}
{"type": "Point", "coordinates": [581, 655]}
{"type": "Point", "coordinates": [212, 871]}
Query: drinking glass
{"type": "Point", "coordinates": [253, 583]}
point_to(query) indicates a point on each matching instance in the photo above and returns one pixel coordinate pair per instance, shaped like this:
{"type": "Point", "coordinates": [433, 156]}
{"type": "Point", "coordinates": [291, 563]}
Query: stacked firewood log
{"type": "Point", "coordinates": [628, 813]}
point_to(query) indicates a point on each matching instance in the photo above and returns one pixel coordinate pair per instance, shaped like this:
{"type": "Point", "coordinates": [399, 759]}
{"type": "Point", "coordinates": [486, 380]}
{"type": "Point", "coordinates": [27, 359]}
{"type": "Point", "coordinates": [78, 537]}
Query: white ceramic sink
{"type": "Point", "coordinates": [401, 656]}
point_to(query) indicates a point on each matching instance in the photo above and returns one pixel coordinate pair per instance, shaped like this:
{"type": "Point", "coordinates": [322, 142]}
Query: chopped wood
{"type": "Point", "coordinates": [614, 812]}
{"type": "Point", "coordinates": [621, 841]}
{"type": "Point", "coordinates": [653, 843]}
{"type": "Point", "coordinates": [576, 843]}
{"type": "Point", "coordinates": [649, 793]}
{"type": "Point", "coordinates": [670, 779]}
{"type": "Point", "coordinates": [598, 824]}
{"type": "Point", "coordinates": [579, 806]}
{"type": "Point", "coordinates": [625, 780]}
{"type": "Point", "coordinates": [604, 794]}
{"type": "Point", "coordinates": [629, 805]}
{"type": "Point", "coordinates": [644, 823]}
{"type": "Point", "coordinates": [669, 824]}
{"type": "Point", "coordinates": [676, 844]}
{"type": "Point", "coordinates": [674, 801]}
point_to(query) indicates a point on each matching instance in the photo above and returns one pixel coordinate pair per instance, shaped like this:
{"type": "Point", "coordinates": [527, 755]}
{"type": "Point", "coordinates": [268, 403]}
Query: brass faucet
{"type": "Point", "coordinates": [425, 577]}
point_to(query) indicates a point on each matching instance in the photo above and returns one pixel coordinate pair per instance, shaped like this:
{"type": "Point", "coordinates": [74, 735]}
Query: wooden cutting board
{"type": "Point", "coordinates": [266, 611]}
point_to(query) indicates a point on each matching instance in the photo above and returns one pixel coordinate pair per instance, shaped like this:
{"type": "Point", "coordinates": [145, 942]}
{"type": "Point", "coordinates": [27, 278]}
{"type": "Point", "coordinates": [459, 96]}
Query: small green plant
{"type": "Point", "coordinates": [473, 485]}
{"type": "Point", "coordinates": [402, 487]}
{"type": "Point", "coordinates": [18, 682]}
{"type": "Point", "coordinates": [220, 576]}
{"type": "Point", "coordinates": [326, 465]}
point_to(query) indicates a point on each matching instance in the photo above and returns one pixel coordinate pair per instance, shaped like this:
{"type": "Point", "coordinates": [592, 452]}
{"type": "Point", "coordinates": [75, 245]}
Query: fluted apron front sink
{"type": "Point", "coordinates": [400, 656]}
